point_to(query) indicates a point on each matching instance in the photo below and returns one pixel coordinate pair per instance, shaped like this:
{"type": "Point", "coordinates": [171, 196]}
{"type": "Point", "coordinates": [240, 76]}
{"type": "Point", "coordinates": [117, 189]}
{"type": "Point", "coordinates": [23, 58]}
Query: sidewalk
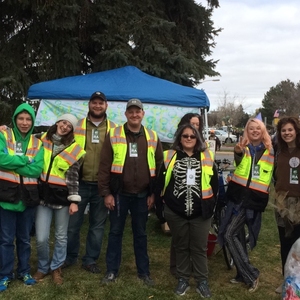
{"type": "Point", "coordinates": [226, 149]}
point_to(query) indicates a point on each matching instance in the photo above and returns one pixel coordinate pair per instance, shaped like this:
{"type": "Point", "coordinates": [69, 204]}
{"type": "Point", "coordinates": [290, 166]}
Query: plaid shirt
{"type": "Point", "coordinates": [72, 177]}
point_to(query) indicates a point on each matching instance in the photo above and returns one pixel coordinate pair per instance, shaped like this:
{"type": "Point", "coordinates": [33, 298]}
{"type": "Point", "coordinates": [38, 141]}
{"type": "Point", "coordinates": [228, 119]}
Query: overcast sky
{"type": "Point", "coordinates": [257, 49]}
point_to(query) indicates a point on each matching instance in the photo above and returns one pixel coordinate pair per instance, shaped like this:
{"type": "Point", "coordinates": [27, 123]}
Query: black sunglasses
{"type": "Point", "coordinates": [186, 136]}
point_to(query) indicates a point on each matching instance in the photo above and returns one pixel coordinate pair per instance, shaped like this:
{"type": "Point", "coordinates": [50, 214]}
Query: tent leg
{"type": "Point", "coordinates": [205, 121]}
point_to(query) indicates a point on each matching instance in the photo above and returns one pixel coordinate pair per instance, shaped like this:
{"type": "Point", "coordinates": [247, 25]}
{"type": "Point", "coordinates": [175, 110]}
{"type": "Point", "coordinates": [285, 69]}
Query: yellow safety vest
{"type": "Point", "coordinates": [242, 171]}
{"type": "Point", "coordinates": [80, 131]}
{"type": "Point", "coordinates": [33, 147]}
{"type": "Point", "coordinates": [55, 167]}
{"type": "Point", "coordinates": [119, 146]}
{"type": "Point", "coordinates": [207, 163]}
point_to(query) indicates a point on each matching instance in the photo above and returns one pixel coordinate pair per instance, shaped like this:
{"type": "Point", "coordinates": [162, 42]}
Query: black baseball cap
{"type": "Point", "coordinates": [98, 95]}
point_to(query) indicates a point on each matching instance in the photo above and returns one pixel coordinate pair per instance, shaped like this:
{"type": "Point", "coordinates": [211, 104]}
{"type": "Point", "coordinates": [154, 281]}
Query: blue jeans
{"type": "Point", "coordinates": [15, 225]}
{"type": "Point", "coordinates": [43, 220]}
{"type": "Point", "coordinates": [97, 218]}
{"type": "Point", "coordinates": [139, 216]}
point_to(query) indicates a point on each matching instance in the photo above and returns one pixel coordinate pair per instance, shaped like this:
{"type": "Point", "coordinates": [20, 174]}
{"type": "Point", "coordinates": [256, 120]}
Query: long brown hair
{"type": "Point", "coordinates": [65, 139]}
{"type": "Point", "coordinates": [282, 122]}
{"type": "Point", "coordinates": [187, 119]}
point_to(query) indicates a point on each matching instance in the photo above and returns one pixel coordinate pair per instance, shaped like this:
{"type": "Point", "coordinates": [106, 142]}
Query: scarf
{"type": "Point", "coordinates": [57, 144]}
{"type": "Point", "coordinates": [255, 149]}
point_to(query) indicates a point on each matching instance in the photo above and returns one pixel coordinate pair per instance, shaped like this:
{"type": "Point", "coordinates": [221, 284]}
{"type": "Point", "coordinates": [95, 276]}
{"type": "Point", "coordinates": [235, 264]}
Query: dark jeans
{"type": "Point", "coordinates": [139, 215]}
{"type": "Point", "coordinates": [15, 225]}
{"type": "Point", "coordinates": [97, 218]}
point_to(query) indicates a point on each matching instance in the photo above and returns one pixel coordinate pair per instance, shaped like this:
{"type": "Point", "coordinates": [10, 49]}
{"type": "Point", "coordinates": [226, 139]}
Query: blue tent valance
{"type": "Point", "coordinates": [121, 84]}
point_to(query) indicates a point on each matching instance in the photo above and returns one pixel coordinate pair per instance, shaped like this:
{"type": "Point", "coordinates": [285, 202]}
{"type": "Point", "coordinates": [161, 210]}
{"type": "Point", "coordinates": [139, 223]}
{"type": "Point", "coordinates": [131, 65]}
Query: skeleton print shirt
{"type": "Point", "coordinates": [181, 197]}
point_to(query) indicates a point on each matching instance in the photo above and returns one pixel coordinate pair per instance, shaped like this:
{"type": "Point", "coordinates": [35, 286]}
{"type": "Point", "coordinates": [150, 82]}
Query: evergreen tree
{"type": "Point", "coordinates": [49, 39]}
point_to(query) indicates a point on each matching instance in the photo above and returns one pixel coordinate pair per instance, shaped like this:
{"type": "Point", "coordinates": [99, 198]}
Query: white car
{"type": "Point", "coordinates": [223, 136]}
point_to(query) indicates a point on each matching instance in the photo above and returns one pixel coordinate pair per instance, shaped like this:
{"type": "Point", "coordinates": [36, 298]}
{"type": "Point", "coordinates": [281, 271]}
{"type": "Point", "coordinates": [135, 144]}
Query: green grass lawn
{"type": "Point", "coordinates": [79, 284]}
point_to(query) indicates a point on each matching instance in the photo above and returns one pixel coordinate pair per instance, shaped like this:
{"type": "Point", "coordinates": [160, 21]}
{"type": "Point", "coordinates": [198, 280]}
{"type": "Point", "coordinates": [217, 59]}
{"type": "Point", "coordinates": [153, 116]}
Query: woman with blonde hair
{"type": "Point", "coordinates": [247, 194]}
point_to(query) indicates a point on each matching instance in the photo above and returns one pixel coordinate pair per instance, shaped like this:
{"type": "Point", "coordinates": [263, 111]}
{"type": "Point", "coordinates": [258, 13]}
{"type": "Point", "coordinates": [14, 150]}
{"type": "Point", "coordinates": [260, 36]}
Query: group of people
{"type": "Point", "coordinates": [55, 175]}
{"type": "Point", "coordinates": [39, 180]}
{"type": "Point", "coordinates": [259, 161]}
{"type": "Point", "coordinates": [121, 169]}
{"type": "Point", "coordinates": [187, 189]}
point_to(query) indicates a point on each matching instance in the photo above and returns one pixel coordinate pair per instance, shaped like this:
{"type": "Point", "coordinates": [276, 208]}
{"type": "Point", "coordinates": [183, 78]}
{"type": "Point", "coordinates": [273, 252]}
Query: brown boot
{"type": "Point", "coordinates": [39, 276]}
{"type": "Point", "coordinates": [57, 276]}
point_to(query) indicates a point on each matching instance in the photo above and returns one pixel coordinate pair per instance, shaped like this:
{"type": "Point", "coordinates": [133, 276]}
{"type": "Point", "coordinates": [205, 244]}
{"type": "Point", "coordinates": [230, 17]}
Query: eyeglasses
{"type": "Point", "coordinates": [186, 136]}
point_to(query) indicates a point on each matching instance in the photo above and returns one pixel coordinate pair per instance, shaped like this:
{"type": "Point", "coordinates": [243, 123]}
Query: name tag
{"type": "Point", "coordinates": [294, 176]}
{"type": "Point", "coordinates": [133, 150]}
{"type": "Point", "coordinates": [18, 148]}
{"type": "Point", "coordinates": [95, 136]}
{"type": "Point", "coordinates": [255, 171]}
{"type": "Point", "coordinates": [190, 176]}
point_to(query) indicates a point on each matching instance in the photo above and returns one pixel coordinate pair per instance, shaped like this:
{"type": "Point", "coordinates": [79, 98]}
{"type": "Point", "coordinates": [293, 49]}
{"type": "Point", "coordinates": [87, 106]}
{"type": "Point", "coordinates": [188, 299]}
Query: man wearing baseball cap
{"type": "Point", "coordinates": [131, 158]}
{"type": "Point", "coordinates": [90, 134]}
{"type": "Point", "coordinates": [135, 102]}
{"type": "Point", "coordinates": [98, 95]}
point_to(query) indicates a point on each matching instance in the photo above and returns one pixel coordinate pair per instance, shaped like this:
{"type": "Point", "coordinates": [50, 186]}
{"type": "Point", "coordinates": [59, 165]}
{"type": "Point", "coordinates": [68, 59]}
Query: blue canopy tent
{"type": "Point", "coordinates": [165, 101]}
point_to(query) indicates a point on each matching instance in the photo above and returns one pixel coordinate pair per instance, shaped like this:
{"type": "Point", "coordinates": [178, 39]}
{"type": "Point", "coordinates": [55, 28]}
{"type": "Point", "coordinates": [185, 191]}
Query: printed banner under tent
{"type": "Point", "coordinates": [161, 118]}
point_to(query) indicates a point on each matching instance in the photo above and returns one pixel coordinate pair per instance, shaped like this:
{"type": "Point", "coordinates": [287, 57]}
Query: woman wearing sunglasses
{"type": "Point", "coordinates": [188, 184]}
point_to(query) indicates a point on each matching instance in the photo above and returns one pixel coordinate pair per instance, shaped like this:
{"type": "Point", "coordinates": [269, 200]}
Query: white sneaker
{"type": "Point", "coordinates": [234, 281]}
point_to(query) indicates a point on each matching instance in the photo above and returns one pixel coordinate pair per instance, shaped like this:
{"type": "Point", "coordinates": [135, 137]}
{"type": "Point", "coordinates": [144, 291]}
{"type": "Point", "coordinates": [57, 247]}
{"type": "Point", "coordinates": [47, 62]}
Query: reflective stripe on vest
{"type": "Point", "coordinates": [242, 172]}
{"type": "Point", "coordinates": [168, 154]}
{"type": "Point", "coordinates": [55, 167]}
{"type": "Point", "coordinates": [119, 146]}
{"type": "Point", "coordinates": [80, 131]}
{"type": "Point", "coordinates": [207, 162]}
{"type": "Point", "coordinates": [33, 147]}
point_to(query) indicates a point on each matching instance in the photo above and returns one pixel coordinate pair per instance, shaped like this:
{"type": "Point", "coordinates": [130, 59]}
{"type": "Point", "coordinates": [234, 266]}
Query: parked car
{"type": "Point", "coordinates": [223, 136]}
